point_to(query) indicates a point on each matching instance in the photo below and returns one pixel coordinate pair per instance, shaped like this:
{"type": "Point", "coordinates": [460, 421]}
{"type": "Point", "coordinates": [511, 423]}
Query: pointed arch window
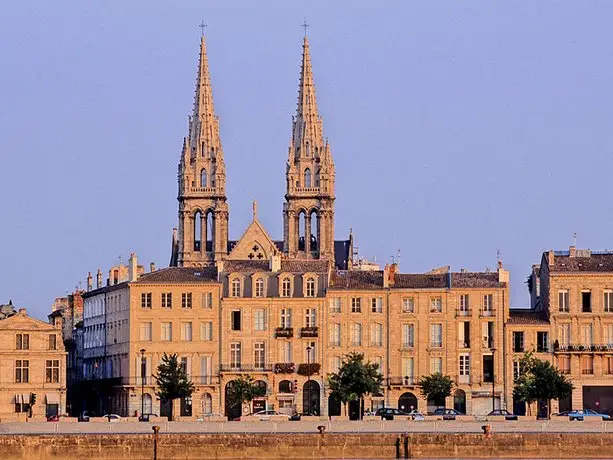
{"type": "Point", "coordinates": [307, 178]}
{"type": "Point", "coordinates": [308, 150]}
{"type": "Point", "coordinates": [203, 178]}
{"type": "Point", "coordinates": [317, 178]}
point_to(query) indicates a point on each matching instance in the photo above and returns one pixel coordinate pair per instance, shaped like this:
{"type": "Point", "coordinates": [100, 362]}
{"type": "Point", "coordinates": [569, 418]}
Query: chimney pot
{"type": "Point", "coordinates": [572, 251]}
{"type": "Point", "coordinates": [132, 268]}
{"type": "Point", "coordinates": [152, 267]}
{"type": "Point", "coordinates": [22, 311]}
{"type": "Point", "coordinates": [99, 279]}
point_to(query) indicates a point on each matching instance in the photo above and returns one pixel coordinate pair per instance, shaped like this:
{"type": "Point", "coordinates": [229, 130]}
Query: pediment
{"type": "Point", "coordinates": [24, 322]}
{"type": "Point", "coordinates": [255, 244]}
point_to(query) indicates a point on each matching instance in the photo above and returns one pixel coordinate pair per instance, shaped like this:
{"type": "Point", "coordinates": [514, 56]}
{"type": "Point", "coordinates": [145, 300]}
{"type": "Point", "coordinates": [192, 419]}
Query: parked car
{"type": "Point", "coordinates": [112, 417]}
{"type": "Point", "coordinates": [85, 415]}
{"type": "Point", "coordinates": [580, 414]}
{"type": "Point", "coordinates": [146, 417]}
{"type": "Point", "coordinates": [561, 414]}
{"type": "Point", "coordinates": [205, 417]}
{"type": "Point", "coordinates": [387, 413]}
{"type": "Point", "coordinates": [54, 418]}
{"type": "Point", "coordinates": [416, 415]}
{"type": "Point", "coordinates": [507, 415]}
{"type": "Point", "coordinates": [262, 415]}
{"type": "Point", "coordinates": [448, 414]}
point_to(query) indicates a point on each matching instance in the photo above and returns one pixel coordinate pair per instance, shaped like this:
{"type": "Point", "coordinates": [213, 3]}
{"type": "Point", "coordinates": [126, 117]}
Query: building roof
{"type": "Point", "coordinates": [356, 279]}
{"type": "Point", "coordinates": [287, 266]}
{"type": "Point", "coordinates": [527, 316]}
{"type": "Point", "coordinates": [593, 262]}
{"type": "Point", "coordinates": [180, 275]}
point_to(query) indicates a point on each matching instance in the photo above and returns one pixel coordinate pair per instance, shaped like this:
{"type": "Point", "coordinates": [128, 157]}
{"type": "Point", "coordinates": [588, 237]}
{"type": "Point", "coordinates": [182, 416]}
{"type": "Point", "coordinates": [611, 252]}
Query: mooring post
{"type": "Point", "coordinates": [156, 430]}
{"type": "Point", "coordinates": [398, 447]}
{"type": "Point", "coordinates": [405, 439]}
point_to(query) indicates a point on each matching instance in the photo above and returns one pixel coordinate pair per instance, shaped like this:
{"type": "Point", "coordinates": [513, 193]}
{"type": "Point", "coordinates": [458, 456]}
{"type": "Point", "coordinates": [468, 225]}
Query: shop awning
{"type": "Point", "coordinates": [25, 398]}
{"type": "Point", "coordinates": [17, 398]}
{"type": "Point", "coordinates": [53, 398]}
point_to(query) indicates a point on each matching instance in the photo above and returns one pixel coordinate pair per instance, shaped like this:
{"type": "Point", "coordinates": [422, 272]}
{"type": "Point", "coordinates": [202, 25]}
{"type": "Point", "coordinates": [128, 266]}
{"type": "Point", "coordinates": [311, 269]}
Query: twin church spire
{"type": "Point", "coordinates": [203, 210]}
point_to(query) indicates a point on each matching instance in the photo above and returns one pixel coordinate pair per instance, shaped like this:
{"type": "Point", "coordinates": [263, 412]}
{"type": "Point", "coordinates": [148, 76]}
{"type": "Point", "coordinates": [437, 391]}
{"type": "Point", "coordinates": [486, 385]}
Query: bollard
{"type": "Point", "coordinates": [398, 447]}
{"type": "Point", "coordinates": [405, 439]}
{"type": "Point", "coordinates": [156, 430]}
{"type": "Point", "coordinates": [487, 430]}
{"type": "Point", "coordinates": [322, 429]}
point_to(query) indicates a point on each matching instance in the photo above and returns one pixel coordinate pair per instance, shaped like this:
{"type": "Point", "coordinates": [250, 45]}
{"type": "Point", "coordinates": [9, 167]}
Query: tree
{"type": "Point", "coordinates": [354, 379]}
{"type": "Point", "coordinates": [436, 387]}
{"type": "Point", "coordinates": [540, 380]}
{"type": "Point", "coordinates": [243, 389]}
{"type": "Point", "coordinates": [172, 380]}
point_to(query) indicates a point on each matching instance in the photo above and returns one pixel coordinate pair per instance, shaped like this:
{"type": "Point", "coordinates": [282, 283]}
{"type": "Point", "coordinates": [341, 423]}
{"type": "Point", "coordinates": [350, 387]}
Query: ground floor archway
{"type": "Point", "coordinates": [311, 397]}
{"type": "Point", "coordinates": [231, 411]}
{"type": "Point", "coordinates": [407, 402]}
{"type": "Point", "coordinates": [334, 406]}
{"type": "Point", "coordinates": [459, 401]}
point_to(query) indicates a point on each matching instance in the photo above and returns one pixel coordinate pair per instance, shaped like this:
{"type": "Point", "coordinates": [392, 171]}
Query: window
{"type": "Point", "coordinates": [22, 371]}
{"type": "Point", "coordinates": [436, 335]}
{"type": "Point", "coordinates": [310, 287]}
{"type": "Point", "coordinates": [145, 300]}
{"type": "Point", "coordinates": [52, 342]}
{"type": "Point", "coordinates": [310, 317]}
{"type": "Point", "coordinates": [203, 177]}
{"type": "Point", "coordinates": [186, 365]}
{"type": "Point", "coordinates": [408, 305]}
{"type": "Point", "coordinates": [286, 317]}
{"type": "Point", "coordinates": [166, 331]}
{"type": "Point", "coordinates": [259, 287]}
{"type": "Point", "coordinates": [310, 355]}
{"type": "Point", "coordinates": [587, 364]}
{"type": "Point", "coordinates": [186, 331]}
{"type": "Point", "coordinates": [608, 301]}
{"type": "Point", "coordinates": [206, 331]}
{"type": "Point", "coordinates": [186, 300]}
{"type": "Point", "coordinates": [563, 305]}
{"type": "Point", "coordinates": [464, 302]}
{"type": "Point", "coordinates": [488, 303]}
{"type": "Point", "coordinates": [236, 320]}
{"type": "Point", "coordinates": [408, 369]}
{"type": "Point", "coordinates": [488, 368]}
{"type": "Point", "coordinates": [335, 335]}
{"type": "Point", "coordinates": [587, 335]}
{"type": "Point", "coordinates": [335, 363]}
{"type": "Point", "coordinates": [335, 305]}
{"type": "Point", "coordinates": [259, 358]}
{"type": "Point", "coordinates": [235, 290]}
{"type": "Point", "coordinates": [376, 334]}
{"type": "Point", "coordinates": [286, 352]}
{"type": "Point", "coordinates": [564, 334]}
{"type": "Point", "coordinates": [488, 334]}
{"type": "Point", "coordinates": [564, 364]}
{"type": "Point", "coordinates": [22, 341]}
{"type": "Point", "coordinates": [436, 304]}
{"type": "Point", "coordinates": [542, 342]}
{"type": "Point", "coordinates": [516, 370]}
{"type": "Point", "coordinates": [207, 300]}
{"type": "Point", "coordinates": [436, 365]}
{"type": "Point", "coordinates": [52, 371]}
{"type": "Point", "coordinates": [586, 301]}
{"type": "Point", "coordinates": [408, 335]}
{"type": "Point", "coordinates": [356, 305]}
{"type": "Point", "coordinates": [259, 320]}
{"type": "Point", "coordinates": [286, 287]}
{"type": "Point", "coordinates": [145, 331]}
{"type": "Point", "coordinates": [608, 365]}
{"type": "Point", "coordinates": [464, 368]}
{"type": "Point", "coordinates": [464, 334]}
{"type": "Point", "coordinates": [307, 175]}
{"type": "Point", "coordinates": [166, 300]}
{"type": "Point", "coordinates": [607, 334]}
{"type": "Point", "coordinates": [356, 334]}
{"type": "Point", "coordinates": [376, 304]}
{"type": "Point", "coordinates": [518, 342]}
{"type": "Point", "coordinates": [235, 355]}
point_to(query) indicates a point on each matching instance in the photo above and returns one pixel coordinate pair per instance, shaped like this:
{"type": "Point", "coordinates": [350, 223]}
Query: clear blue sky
{"type": "Point", "coordinates": [458, 128]}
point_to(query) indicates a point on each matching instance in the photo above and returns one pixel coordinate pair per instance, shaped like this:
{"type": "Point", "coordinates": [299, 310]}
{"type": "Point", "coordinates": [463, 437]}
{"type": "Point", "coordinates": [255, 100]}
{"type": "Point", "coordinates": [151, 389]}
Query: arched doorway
{"type": "Point", "coordinates": [334, 406]}
{"type": "Point", "coordinates": [147, 404]}
{"type": "Point", "coordinates": [434, 404]}
{"type": "Point", "coordinates": [407, 402]}
{"type": "Point", "coordinates": [310, 397]}
{"type": "Point", "coordinates": [207, 404]}
{"type": "Point", "coordinates": [232, 411]}
{"type": "Point", "coordinates": [259, 402]}
{"type": "Point", "coordinates": [459, 401]}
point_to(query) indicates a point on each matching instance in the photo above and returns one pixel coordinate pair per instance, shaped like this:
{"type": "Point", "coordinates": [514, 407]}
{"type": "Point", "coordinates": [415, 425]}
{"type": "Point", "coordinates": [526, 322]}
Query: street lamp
{"type": "Point", "coordinates": [493, 380]}
{"type": "Point", "coordinates": [143, 371]}
{"type": "Point", "coordinates": [308, 349]}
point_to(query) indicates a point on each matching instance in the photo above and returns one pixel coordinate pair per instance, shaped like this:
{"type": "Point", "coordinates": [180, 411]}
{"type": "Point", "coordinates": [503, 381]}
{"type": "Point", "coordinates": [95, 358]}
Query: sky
{"type": "Point", "coordinates": [458, 128]}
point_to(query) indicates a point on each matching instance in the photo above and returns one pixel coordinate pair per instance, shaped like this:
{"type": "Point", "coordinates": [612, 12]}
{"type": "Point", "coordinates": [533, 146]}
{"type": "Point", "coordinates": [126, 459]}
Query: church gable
{"type": "Point", "coordinates": [255, 244]}
{"type": "Point", "coordinates": [22, 322]}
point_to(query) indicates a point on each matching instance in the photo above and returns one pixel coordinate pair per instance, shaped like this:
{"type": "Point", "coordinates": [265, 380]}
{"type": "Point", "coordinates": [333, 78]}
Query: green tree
{"type": "Point", "coordinates": [540, 380]}
{"type": "Point", "coordinates": [354, 379]}
{"type": "Point", "coordinates": [436, 387]}
{"type": "Point", "coordinates": [172, 380]}
{"type": "Point", "coordinates": [243, 389]}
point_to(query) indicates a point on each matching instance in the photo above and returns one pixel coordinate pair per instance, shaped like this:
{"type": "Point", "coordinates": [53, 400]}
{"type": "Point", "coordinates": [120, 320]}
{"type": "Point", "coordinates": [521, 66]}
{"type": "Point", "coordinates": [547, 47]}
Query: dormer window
{"type": "Point", "coordinates": [258, 290]}
{"type": "Point", "coordinates": [286, 287]}
{"type": "Point", "coordinates": [310, 285]}
{"type": "Point", "coordinates": [235, 287]}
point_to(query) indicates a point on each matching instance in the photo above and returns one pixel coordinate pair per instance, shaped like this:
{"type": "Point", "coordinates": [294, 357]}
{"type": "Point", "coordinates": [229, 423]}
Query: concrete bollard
{"type": "Point", "coordinates": [322, 429]}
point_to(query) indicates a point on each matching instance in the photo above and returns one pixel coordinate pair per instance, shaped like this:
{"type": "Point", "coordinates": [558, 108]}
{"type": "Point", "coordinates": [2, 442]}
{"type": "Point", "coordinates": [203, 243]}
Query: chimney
{"type": "Point", "coordinates": [90, 281]}
{"type": "Point", "coordinates": [503, 275]}
{"type": "Point", "coordinates": [22, 312]}
{"type": "Point", "coordinates": [389, 275]}
{"type": "Point", "coordinates": [99, 279]}
{"type": "Point", "coordinates": [550, 258]}
{"type": "Point", "coordinates": [572, 251]}
{"type": "Point", "coordinates": [132, 268]}
{"type": "Point", "coordinates": [152, 267]}
{"type": "Point", "coordinates": [274, 264]}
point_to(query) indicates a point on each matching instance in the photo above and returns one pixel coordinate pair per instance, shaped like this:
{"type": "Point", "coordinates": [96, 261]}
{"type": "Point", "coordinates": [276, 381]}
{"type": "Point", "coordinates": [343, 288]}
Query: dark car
{"type": "Point", "coordinates": [507, 415]}
{"type": "Point", "coordinates": [387, 413]}
{"type": "Point", "coordinates": [146, 417]}
{"type": "Point", "coordinates": [448, 414]}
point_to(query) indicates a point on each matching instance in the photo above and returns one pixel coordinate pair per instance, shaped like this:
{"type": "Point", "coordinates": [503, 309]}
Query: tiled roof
{"type": "Point", "coordinates": [357, 280]}
{"type": "Point", "coordinates": [593, 263]}
{"type": "Point", "coordinates": [527, 316]}
{"type": "Point", "coordinates": [475, 280]}
{"type": "Point", "coordinates": [420, 281]}
{"type": "Point", "coordinates": [245, 266]}
{"type": "Point", "coordinates": [304, 266]}
{"type": "Point", "coordinates": [180, 275]}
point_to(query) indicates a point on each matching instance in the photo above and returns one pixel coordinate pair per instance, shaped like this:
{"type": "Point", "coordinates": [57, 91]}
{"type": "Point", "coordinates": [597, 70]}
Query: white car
{"type": "Point", "coordinates": [416, 415]}
{"type": "Point", "coordinates": [112, 417]}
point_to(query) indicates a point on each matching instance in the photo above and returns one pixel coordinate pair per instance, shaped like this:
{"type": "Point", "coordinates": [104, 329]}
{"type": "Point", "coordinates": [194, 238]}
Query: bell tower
{"type": "Point", "coordinates": [308, 211]}
{"type": "Point", "coordinates": [203, 209]}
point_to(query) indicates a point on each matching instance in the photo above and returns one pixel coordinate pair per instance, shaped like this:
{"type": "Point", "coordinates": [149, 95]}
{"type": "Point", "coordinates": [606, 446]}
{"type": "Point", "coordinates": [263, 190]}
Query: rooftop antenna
{"type": "Point", "coordinates": [575, 239]}
{"type": "Point", "coordinates": [398, 257]}
{"type": "Point", "coordinates": [498, 255]}
{"type": "Point", "coordinates": [202, 26]}
{"type": "Point", "coordinates": [120, 260]}
{"type": "Point", "coordinates": [305, 25]}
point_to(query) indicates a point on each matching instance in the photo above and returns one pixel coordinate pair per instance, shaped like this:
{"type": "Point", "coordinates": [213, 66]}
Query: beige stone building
{"type": "Point", "coordinates": [33, 368]}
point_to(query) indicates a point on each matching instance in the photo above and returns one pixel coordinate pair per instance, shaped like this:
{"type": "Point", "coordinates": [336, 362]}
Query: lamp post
{"type": "Point", "coordinates": [493, 380]}
{"type": "Point", "coordinates": [308, 350]}
{"type": "Point", "coordinates": [143, 370]}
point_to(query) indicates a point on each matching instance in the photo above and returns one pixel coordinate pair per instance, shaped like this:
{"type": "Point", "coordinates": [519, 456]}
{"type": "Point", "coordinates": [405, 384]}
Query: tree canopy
{"type": "Point", "coordinates": [436, 387]}
{"type": "Point", "coordinates": [243, 388]}
{"type": "Point", "coordinates": [355, 378]}
{"type": "Point", "coordinates": [172, 380]}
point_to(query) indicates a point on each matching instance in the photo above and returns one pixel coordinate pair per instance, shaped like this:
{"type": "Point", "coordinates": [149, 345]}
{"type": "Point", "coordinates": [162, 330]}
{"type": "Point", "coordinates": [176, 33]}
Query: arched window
{"type": "Point", "coordinates": [286, 287]}
{"type": "Point", "coordinates": [197, 231]}
{"type": "Point", "coordinates": [207, 403]}
{"type": "Point", "coordinates": [147, 403]}
{"type": "Point", "coordinates": [317, 178]}
{"type": "Point", "coordinates": [285, 386]}
{"type": "Point", "coordinates": [203, 180]}
{"type": "Point", "coordinates": [307, 178]}
{"type": "Point", "coordinates": [310, 287]}
{"type": "Point", "coordinates": [259, 287]}
{"type": "Point", "coordinates": [213, 172]}
{"type": "Point", "coordinates": [235, 288]}
{"type": "Point", "coordinates": [308, 149]}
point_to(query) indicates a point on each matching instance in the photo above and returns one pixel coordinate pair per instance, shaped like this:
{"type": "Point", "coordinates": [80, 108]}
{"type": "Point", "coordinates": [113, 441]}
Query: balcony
{"type": "Point", "coordinates": [463, 312]}
{"type": "Point", "coordinates": [487, 313]}
{"type": "Point", "coordinates": [284, 368]}
{"type": "Point", "coordinates": [138, 381]}
{"type": "Point", "coordinates": [309, 331]}
{"type": "Point", "coordinates": [284, 332]}
{"type": "Point", "coordinates": [406, 381]}
{"type": "Point", "coordinates": [581, 348]}
{"type": "Point", "coordinates": [245, 368]}
{"type": "Point", "coordinates": [587, 371]}
{"type": "Point", "coordinates": [205, 379]}
{"type": "Point", "coordinates": [308, 368]}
